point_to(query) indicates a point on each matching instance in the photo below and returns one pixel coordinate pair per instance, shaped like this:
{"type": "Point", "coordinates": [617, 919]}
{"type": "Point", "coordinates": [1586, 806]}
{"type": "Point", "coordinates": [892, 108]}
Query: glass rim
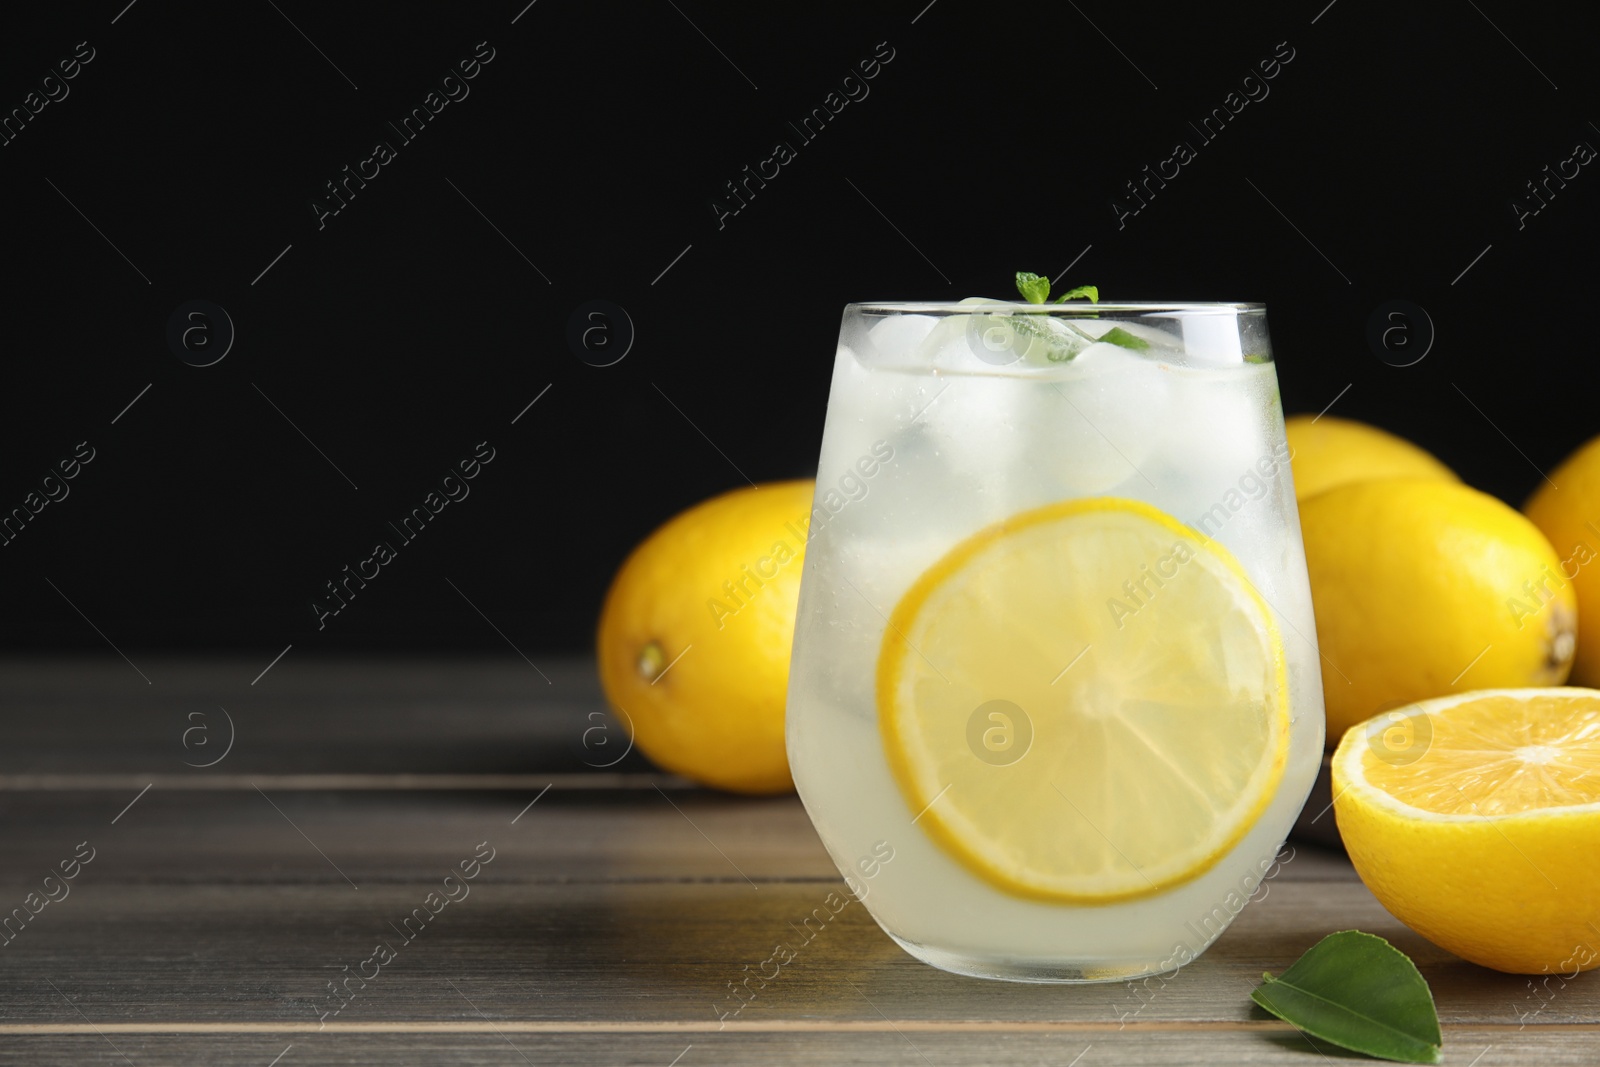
{"type": "Point", "coordinates": [1073, 308]}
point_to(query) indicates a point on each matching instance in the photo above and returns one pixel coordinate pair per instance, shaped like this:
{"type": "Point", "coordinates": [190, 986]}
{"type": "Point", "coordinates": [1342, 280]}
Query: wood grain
{"type": "Point", "coordinates": [657, 953]}
{"type": "Point", "coordinates": [309, 714]}
{"type": "Point", "coordinates": [634, 834]}
{"type": "Point", "coordinates": [609, 928]}
{"type": "Point", "coordinates": [1128, 1048]}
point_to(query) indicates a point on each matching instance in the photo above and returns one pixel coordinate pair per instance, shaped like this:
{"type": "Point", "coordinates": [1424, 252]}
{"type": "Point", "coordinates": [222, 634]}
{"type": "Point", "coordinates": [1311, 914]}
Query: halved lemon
{"type": "Point", "coordinates": [1475, 819]}
{"type": "Point", "coordinates": [1085, 702]}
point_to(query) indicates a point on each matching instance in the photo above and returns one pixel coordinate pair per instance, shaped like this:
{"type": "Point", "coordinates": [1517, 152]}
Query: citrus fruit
{"type": "Point", "coordinates": [1570, 518]}
{"type": "Point", "coordinates": [694, 637]}
{"type": "Point", "coordinates": [1084, 702]}
{"type": "Point", "coordinates": [1418, 588]}
{"type": "Point", "coordinates": [1475, 819]}
{"type": "Point", "coordinates": [1325, 451]}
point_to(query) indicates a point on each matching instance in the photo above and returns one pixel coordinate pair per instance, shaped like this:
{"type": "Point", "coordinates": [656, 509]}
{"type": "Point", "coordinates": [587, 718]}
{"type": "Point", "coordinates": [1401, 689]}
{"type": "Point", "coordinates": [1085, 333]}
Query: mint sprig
{"type": "Point", "coordinates": [1035, 289]}
{"type": "Point", "coordinates": [1358, 992]}
{"type": "Point", "coordinates": [1118, 336]}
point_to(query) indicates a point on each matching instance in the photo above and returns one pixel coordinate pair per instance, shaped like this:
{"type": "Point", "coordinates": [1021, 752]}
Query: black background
{"type": "Point", "coordinates": [414, 324]}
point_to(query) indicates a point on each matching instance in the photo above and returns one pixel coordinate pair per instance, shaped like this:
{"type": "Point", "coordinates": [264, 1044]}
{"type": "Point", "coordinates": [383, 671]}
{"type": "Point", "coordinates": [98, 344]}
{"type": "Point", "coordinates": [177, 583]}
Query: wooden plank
{"type": "Point", "coordinates": [308, 714]}
{"type": "Point", "coordinates": [1133, 1047]}
{"type": "Point", "coordinates": [238, 836]}
{"type": "Point", "coordinates": [655, 954]}
{"type": "Point", "coordinates": [1127, 1049]}
{"type": "Point", "coordinates": [70, 720]}
{"type": "Point", "coordinates": [282, 837]}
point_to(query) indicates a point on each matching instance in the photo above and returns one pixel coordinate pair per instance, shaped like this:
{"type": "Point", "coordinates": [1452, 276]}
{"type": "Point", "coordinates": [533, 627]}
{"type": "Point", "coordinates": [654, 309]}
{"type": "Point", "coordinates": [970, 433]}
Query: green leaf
{"type": "Point", "coordinates": [1089, 291]}
{"type": "Point", "coordinates": [1118, 336]}
{"type": "Point", "coordinates": [1035, 289]}
{"type": "Point", "coordinates": [1358, 992]}
{"type": "Point", "coordinates": [1039, 337]}
{"type": "Point", "coordinates": [1258, 357]}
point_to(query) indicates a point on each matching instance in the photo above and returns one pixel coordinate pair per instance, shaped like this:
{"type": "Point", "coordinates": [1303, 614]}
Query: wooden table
{"type": "Point", "coordinates": [618, 906]}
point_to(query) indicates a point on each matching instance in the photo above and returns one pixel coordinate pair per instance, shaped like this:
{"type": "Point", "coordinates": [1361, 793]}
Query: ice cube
{"type": "Point", "coordinates": [1221, 442]}
{"type": "Point", "coordinates": [1112, 418]}
{"type": "Point", "coordinates": [1210, 337]}
{"type": "Point", "coordinates": [894, 337]}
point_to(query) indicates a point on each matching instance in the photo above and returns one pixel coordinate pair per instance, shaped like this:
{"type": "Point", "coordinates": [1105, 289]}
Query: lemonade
{"type": "Point", "coordinates": [1055, 644]}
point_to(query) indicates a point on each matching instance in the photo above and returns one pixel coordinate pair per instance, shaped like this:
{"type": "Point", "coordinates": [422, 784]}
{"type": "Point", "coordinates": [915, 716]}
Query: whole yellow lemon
{"type": "Point", "coordinates": [1325, 452]}
{"type": "Point", "coordinates": [695, 634]}
{"type": "Point", "coordinates": [1570, 518]}
{"type": "Point", "coordinates": [1423, 588]}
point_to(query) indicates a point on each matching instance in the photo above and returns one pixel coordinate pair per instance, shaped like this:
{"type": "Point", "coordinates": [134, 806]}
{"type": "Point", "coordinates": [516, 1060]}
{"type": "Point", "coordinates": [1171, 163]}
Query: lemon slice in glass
{"type": "Point", "coordinates": [1085, 702]}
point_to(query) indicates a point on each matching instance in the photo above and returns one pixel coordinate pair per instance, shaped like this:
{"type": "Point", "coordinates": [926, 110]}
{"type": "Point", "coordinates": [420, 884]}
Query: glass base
{"type": "Point", "coordinates": [1063, 972]}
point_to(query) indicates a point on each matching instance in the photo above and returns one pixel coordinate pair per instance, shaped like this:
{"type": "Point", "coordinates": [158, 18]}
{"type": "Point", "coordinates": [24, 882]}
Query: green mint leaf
{"type": "Point", "coordinates": [1258, 357]}
{"type": "Point", "coordinates": [1358, 992]}
{"type": "Point", "coordinates": [1118, 336]}
{"type": "Point", "coordinates": [1036, 335]}
{"type": "Point", "coordinates": [1034, 288]}
{"type": "Point", "coordinates": [1090, 291]}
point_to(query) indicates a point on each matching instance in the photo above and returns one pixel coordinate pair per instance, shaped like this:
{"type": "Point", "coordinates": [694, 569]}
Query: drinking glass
{"type": "Point", "coordinates": [1054, 700]}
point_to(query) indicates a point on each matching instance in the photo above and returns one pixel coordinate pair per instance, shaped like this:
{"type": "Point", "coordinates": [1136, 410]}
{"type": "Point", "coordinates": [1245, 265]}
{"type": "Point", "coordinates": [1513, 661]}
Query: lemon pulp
{"type": "Point", "coordinates": [1475, 820]}
{"type": "Point", "coordinates": [1499, 754]}
{"type": "Point", "coordinates": [1085, 702]}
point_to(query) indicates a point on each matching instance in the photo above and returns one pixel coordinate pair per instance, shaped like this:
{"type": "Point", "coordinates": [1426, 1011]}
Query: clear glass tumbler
{"type": "Point", "coordinates": [1055, 699]}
